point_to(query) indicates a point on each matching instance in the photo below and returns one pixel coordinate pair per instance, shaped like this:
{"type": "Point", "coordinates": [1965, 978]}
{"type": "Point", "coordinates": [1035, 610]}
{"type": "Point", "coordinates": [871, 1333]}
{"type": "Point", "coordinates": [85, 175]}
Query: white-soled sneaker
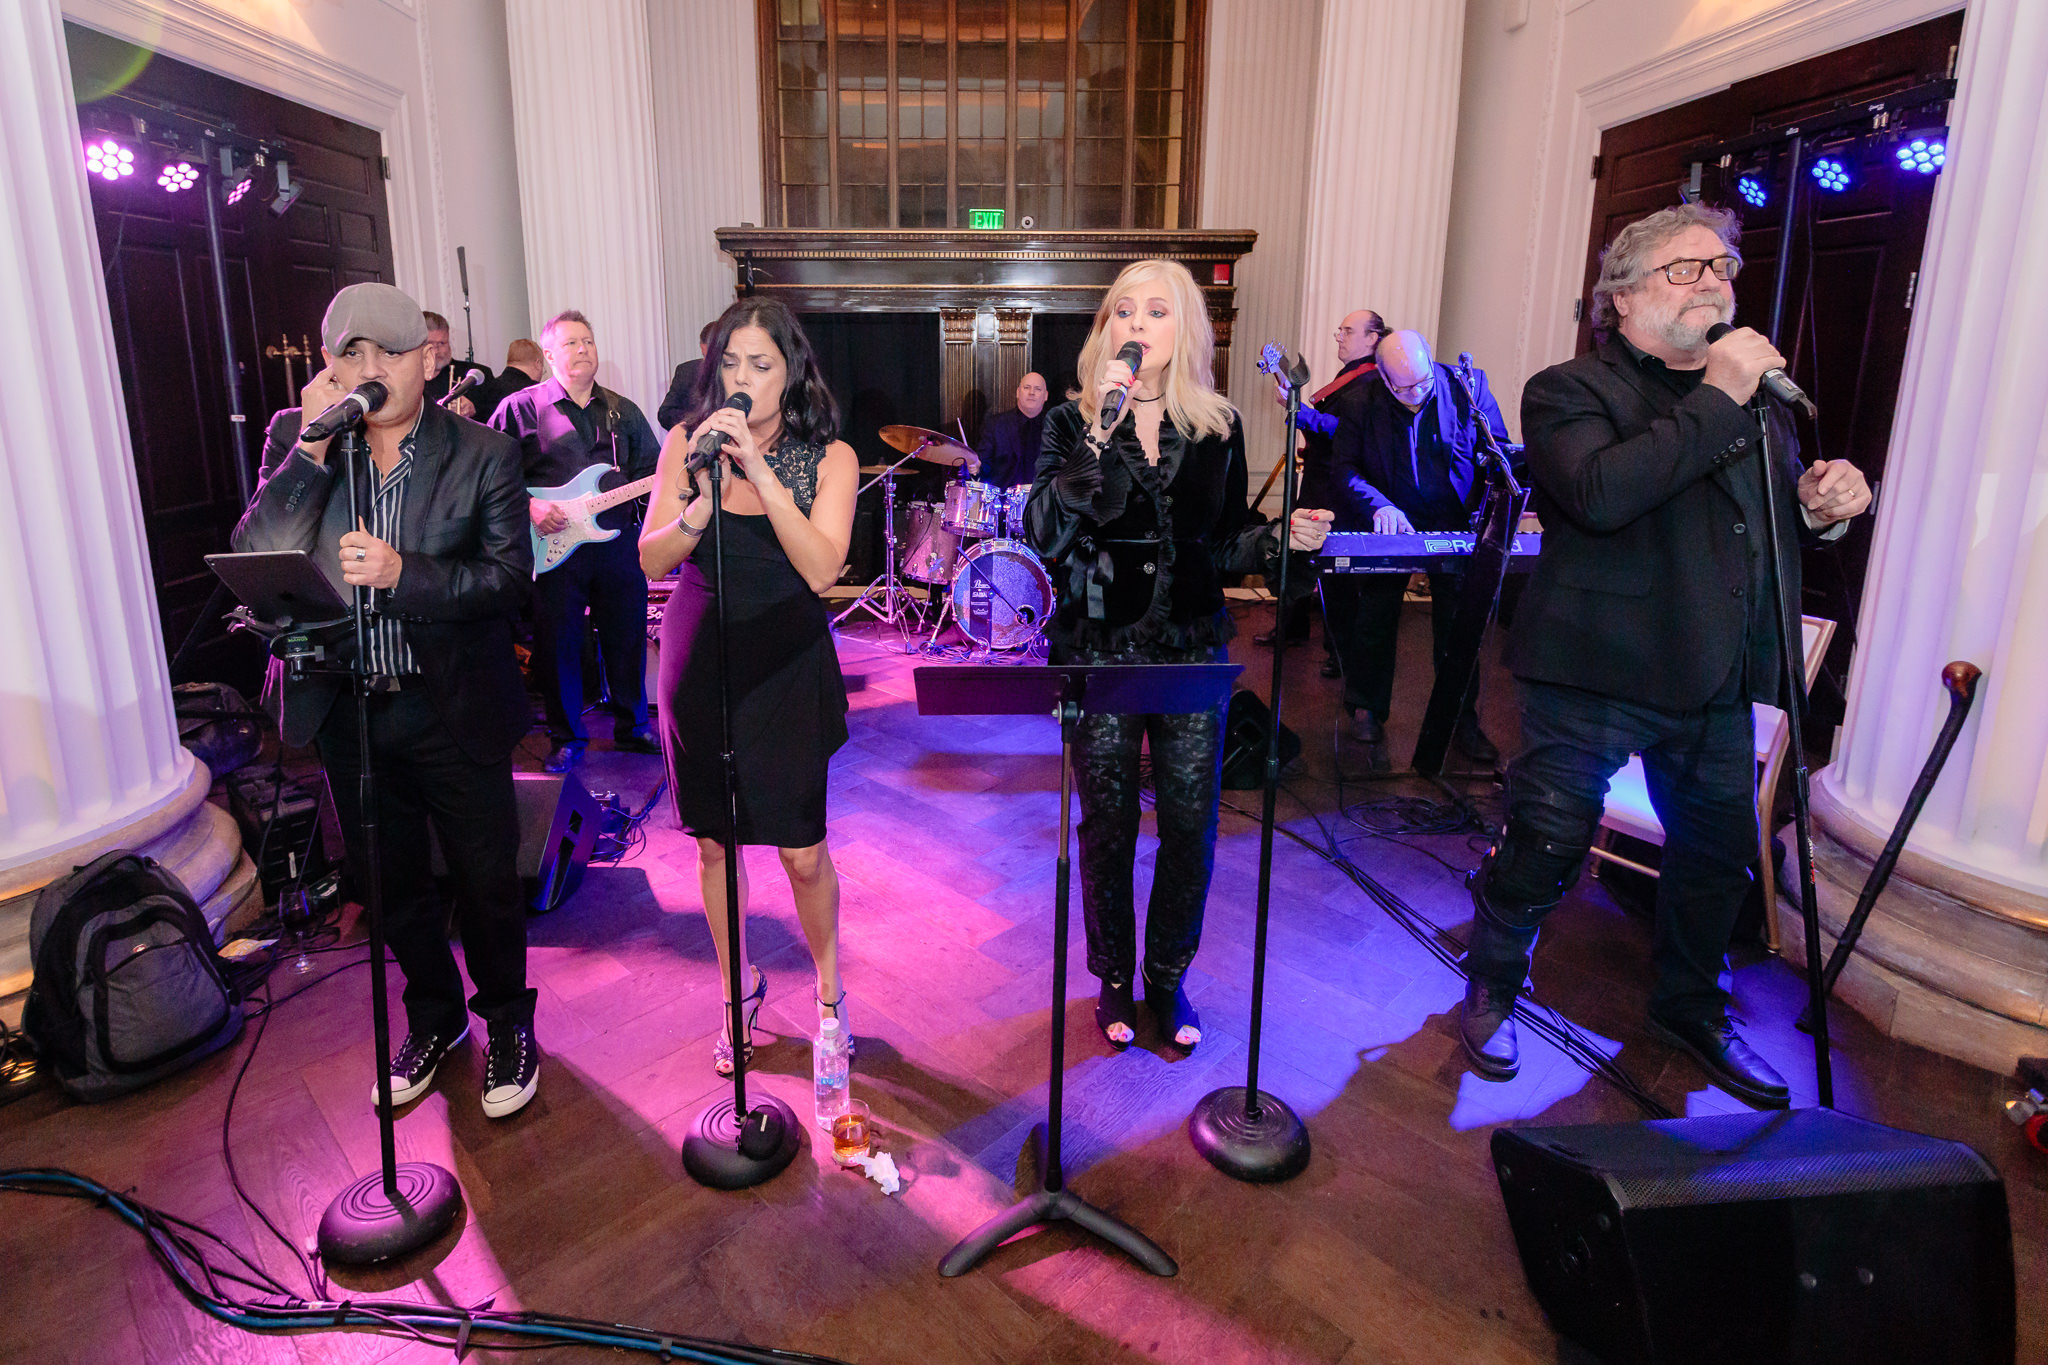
{"type": "Point", "coordinates": [412, 1069]}
{"type": "Point", "coordinates": [511, 1069]}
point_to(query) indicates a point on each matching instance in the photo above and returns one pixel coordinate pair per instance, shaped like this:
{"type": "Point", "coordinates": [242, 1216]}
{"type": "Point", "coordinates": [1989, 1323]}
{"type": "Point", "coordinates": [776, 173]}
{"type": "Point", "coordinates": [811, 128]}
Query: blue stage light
{"type": "Point", "coordinates": [1753, 191]}
{"type": "Point", "coordinates": [1831, 174]}
{"type": "Point", "coordinates": [1922, 154]}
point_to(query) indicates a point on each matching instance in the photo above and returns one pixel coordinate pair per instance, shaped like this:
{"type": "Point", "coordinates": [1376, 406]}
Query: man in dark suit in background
{"type": "Point", "coordinates": [1010, 438]}
{"type": "Point", "coordinates": [677, 400]}
{"type": "Point", "coordinates": [442, 550]}
{"type": "Point", "coordinates": [1647, 628]}
{"type": "Point", "coordinates": [525, 366]}
{"type": "Point", "coordinates": [444, 372]}
{"type": "Point", "coordinates": [1405, 458]}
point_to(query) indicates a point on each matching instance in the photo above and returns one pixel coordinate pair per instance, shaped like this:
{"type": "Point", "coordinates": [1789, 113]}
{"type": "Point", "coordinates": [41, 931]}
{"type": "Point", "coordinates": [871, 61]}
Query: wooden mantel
{"type": "Point", "coordinates": [985, 286]}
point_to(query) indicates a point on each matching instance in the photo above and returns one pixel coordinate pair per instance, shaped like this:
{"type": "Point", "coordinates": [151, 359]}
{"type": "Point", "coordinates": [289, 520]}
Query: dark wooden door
{"type": "Point", "coordinates": [281, 272]}
{"type": "Point", "coordinates": [1855, 263]}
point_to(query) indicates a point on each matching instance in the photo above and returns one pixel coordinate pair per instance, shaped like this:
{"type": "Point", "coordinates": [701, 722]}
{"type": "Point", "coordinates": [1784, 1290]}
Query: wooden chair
{"type": "Point", "coordinates": [1628, 795]}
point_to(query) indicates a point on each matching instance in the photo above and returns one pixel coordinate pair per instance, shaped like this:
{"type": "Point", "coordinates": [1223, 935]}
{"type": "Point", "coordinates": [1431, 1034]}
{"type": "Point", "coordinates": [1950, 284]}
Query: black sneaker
{"type": "Point", "coordinates": [637, 741]}
{"type": "Point", "coordinates": [412, 1069]}
{"type": "Point", "coordinates": [564, 756]}
{"type": "Point", "coordinates": [511, 1069]}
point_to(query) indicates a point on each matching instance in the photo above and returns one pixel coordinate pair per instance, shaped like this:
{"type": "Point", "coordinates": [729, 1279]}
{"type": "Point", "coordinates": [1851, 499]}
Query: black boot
{"type": "Point", "coordinates": [1496, 964]}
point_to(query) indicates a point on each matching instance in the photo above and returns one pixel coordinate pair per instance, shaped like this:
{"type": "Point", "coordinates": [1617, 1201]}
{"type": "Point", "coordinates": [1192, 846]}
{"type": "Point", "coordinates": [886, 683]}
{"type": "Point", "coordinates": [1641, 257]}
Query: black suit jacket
{"type": "Point", "coordinates": [1009, 447]}
{"type": "Point", "coordinates": [1367, 473]}
{"type": "Point", "coordinates": [1650, 520]}
{"type": "Point", "coordinates": [677, 401]}
{"type": "Point", "coordinates": [1318, 488]}
{"type": "Point", "coordinates": [468, 554]}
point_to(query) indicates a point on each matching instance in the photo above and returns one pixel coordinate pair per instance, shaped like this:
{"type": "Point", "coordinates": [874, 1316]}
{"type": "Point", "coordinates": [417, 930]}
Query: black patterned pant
{"type": "Point", "coordinates": [1187, 757]}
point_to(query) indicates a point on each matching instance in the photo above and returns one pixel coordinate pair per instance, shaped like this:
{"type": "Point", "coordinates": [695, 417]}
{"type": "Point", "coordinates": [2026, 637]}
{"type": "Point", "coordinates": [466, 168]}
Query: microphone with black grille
{"type": "Point", "coordinates": [1775, 381]}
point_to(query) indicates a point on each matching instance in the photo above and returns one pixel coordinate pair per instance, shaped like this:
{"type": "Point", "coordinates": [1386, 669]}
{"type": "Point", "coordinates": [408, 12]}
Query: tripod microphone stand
{"type": "Point", "coordinates": [886, 597]}
{"type": "Point", "coordinates": [1244, 1132]}
{"type": "Point", "coordinates": [730, 1146]}
{"type": "Point", "coordinates": [405, 1206]}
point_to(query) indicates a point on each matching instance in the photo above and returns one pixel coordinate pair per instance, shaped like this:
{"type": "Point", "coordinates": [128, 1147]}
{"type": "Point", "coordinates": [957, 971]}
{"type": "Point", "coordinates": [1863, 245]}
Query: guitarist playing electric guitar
{"type": "Point", "coordinates": [581, 444]}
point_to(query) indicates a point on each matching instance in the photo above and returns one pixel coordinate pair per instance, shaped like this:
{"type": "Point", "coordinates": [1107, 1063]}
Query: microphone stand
{"type": "Point", "coordinates": [401, 1208]}
{"type": "Point", "coordinates": [722, 1150]}
{"type": "Point", "coordinates": [1242, 1131]}
{"type": "Point", "coordinates": [1792, 681]}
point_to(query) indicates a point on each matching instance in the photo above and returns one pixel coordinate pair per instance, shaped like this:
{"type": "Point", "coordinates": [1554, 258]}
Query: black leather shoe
{"type": "Point", "coordinates": [640, 741]}
{"type": "Point", "coordinates": [1729, 1062]}
{"type": "Point", "coordinates": [1367, 730]}
{"type": "Point", "coordinates": [1471, 741]}
{"type": "Point", "coordinates": [565, 756]}
{"type": "Point", "coordinates": [1486, 1026]}
{"type": "Point", "coordinates": [1294, 637]}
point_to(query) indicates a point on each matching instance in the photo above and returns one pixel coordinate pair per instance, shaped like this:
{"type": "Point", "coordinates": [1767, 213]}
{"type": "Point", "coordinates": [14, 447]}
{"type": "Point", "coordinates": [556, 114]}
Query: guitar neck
{"type": "Point", "coordinates": [624, 493]}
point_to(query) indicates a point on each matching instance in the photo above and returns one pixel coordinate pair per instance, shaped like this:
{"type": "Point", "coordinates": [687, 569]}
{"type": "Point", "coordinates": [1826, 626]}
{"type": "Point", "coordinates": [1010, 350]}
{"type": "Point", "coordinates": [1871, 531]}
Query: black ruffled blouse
{"type": "Point", "coordinates": [1140, 551]}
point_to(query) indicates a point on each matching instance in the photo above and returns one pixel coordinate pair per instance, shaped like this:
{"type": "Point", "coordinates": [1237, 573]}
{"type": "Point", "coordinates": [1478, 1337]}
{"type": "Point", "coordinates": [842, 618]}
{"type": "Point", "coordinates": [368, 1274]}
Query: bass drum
{"type": "Point", "coordinates": [1002, 595]}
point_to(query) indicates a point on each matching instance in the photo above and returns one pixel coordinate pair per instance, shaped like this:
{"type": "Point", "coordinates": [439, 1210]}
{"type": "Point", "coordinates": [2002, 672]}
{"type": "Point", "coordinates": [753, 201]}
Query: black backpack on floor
{"type": "Point", "coordinates": [127, 987]}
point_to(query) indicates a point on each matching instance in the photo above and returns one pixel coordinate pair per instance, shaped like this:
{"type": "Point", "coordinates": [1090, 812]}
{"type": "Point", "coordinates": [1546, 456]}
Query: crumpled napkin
{"type": "Point", "coordinates": [880, 1167]}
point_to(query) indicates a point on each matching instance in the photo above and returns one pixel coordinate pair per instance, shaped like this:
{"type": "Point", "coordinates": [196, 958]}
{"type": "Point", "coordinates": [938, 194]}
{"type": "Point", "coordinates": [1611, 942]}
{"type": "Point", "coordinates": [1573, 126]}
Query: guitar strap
{"type": "Point", "coordinates": [1337, 385]}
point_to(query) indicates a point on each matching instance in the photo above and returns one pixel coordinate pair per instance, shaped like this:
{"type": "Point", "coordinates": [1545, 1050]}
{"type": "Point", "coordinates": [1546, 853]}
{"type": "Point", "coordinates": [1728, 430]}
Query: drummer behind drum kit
{"type": "Point", "coordinates": [969, 549]}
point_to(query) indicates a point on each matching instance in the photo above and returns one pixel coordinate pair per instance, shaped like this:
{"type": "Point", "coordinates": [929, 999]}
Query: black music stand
{"type": "Point", "coordinates": [1065, 691]}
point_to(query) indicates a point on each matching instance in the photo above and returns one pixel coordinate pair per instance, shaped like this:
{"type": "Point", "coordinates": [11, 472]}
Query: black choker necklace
{"type": "Point", "coordinates": [1159, 398]}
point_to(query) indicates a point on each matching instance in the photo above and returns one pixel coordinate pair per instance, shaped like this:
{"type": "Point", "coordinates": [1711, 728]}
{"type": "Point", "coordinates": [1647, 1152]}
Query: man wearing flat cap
{"type": "Point", "coordinates": [441, 548]}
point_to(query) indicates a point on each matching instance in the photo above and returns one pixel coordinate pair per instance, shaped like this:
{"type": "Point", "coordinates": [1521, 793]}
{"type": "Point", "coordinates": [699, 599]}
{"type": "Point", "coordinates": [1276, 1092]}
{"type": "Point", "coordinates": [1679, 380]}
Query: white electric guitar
{"type": "Point", "coordinates": [580, 503]}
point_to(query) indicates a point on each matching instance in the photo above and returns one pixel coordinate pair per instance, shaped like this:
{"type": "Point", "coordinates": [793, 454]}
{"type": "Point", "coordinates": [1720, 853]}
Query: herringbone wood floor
{"type": "Point", "coordinates": [1391, 1247]}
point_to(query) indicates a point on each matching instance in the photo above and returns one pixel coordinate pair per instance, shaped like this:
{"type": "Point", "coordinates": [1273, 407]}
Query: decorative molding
{"type": "Point", "coordinates": [1013, 327]}
{"type": "Point", "coordinates": [957, 326]}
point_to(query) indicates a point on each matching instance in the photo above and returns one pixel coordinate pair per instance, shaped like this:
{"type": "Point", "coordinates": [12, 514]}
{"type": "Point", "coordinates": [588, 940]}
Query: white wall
{"type": "Point", "coordinates": [1533, 104]}
{"type": "Point", "coordinates": [439, 94]}
{"type": "Point", "coordinates": [707, 124]}
{"type": "Point", "coordinates": [1260, 117]}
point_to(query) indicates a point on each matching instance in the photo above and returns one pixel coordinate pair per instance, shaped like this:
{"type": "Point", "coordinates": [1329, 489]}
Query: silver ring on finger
{"type": "Point", "coordinates": [362, 555]}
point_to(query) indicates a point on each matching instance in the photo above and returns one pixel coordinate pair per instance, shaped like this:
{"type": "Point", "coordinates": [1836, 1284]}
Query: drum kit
{"type": "Point", "coordinates": [968, 553]}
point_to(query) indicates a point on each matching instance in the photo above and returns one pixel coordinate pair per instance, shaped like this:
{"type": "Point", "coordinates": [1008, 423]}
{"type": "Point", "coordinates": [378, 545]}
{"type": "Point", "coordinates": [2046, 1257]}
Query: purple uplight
{"type": "Point", "coordinates": [108, 159]}
{"type": "Point", "coordinates": [179, 175]}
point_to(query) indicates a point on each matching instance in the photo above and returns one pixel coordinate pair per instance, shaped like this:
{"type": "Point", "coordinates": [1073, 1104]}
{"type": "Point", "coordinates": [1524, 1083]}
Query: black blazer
{"type": "Point", "coordinates": [675, 404]}
{"type": "Point", "coordinates": [1367, 473]}
{"type": "Point", "coordinates": [1141, 560]}
{"type": "Point", "coordinates": [1643, 588]}
{"type": "Point", "coordinates": [468, 554]}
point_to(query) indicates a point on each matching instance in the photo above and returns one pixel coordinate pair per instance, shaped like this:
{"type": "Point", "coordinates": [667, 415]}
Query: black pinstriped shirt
{"type": "Point", "coordinates": [389, 652]}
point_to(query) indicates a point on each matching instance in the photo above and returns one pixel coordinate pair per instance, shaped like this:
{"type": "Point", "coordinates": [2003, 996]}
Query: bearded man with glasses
{"type": "Point", "coordinates": [1646, 628]}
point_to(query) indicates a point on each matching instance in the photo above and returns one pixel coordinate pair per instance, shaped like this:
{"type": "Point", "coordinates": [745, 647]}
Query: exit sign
{"type": "Point", "coordinates": [984, 219]}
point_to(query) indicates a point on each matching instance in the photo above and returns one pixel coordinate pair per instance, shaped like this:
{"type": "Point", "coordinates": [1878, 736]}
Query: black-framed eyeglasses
{"type": "Point", "coordinates": [1687, 271]}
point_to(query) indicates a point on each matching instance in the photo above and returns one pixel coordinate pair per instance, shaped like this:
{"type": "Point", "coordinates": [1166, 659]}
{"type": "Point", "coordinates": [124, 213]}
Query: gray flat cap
{"type": "Point", "coordinates": [378, 312]}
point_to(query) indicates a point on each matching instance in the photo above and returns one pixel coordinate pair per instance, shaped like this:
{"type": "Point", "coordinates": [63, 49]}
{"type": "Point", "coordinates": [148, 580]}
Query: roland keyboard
{"type": "Point", "coordinates": [1416, 552]}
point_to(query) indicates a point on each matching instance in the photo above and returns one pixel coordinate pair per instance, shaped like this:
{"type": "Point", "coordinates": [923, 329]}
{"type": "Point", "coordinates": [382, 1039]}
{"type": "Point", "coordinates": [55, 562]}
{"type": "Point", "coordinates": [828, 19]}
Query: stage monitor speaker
{"type": "Point", "coordinates": [1245, 728]}
{"type": "Point", "coordinates": [558, 825]}
{"type": "Point", "coordinates": [1808, 1236]}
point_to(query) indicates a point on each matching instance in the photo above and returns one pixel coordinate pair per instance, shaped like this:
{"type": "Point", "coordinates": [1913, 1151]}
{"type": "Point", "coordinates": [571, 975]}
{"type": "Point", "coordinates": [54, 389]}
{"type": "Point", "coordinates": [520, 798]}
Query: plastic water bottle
{"type": "Point", "coordinates": [831, 1070]}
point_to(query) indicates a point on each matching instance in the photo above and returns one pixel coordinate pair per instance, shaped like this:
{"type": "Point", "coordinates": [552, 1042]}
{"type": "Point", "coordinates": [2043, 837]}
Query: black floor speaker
{"type": "Point", "coordinates": [1807, 1236]}
{"type": "Point", "coordinates": [558, 825]}
{"type": "Point", "coordinates": [1246, 726]}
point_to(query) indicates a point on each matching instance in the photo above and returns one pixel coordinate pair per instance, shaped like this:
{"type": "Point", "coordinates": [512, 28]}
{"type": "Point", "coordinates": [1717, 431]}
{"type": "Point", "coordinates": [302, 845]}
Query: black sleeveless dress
{"type": "Point", "coordinates": [788, 697]}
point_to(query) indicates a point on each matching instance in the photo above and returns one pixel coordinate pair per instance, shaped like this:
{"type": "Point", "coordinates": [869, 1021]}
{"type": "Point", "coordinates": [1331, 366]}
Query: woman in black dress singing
{"type": "Point", "coordinates": [788, 503]}
{"type": "Point", "coordinates": [1143, 513]}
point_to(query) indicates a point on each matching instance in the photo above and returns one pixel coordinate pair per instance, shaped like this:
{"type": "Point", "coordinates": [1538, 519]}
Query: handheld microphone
{"type": "Point", "coordinates": [470, 379]}
{"type": "Point", "coordinates": [358, 403]}
{"type": "Point", "coordinates": [1778, 383]}
{"type": "Point", "coordinates": [712, 443]}
{"type": "Point", "coordinates": [1133, 355]}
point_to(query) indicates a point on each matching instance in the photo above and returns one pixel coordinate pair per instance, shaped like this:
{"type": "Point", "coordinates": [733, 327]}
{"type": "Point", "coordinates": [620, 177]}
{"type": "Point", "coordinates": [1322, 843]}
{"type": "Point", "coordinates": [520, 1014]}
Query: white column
{"type": "Point", "coordinates": [89, 752]}
{"type": "Point", "coordinates": [707, 122]}
{"type": "Point", "coordinates": [1956, 957]}
{"type": "Point", "coordinates": [1379, 187]}
{"type": "Point", "coordinates": [583, 115]}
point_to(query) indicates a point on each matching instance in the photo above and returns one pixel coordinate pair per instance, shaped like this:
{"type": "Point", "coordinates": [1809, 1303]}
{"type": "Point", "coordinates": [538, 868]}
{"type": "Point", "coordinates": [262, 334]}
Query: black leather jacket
{"type": "Point", "coordinates": [1140, 552]}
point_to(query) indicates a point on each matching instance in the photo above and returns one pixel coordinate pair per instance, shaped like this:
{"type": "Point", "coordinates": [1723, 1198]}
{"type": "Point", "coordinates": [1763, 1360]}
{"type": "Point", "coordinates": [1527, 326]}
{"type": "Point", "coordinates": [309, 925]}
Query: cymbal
{"type": "Point", "coordinates": [925, 444]}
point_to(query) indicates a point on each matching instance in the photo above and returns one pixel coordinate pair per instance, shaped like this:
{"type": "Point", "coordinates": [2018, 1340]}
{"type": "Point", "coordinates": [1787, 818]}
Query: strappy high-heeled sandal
{"type": "Point", "coordinates": [721, 1051]}
{"type": "Point", "coordinates": [1116, 1014]}
{"type": "Point", "coordinates": [1179, 1024]}
{"type": "Point", "coordinates": [838, 1008]}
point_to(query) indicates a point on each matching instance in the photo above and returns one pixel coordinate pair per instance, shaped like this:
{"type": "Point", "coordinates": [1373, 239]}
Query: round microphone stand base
{"type": "Point", "coordinates": [364, 1226]}
{"type": "Point", "coordinates": [1263, 1148]}
{"type": "Point", "coordinates": [718, 1154]}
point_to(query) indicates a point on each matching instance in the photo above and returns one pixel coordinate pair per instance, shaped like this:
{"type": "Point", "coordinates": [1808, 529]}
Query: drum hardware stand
{"type": "Point", "coordinates": [886, 597]}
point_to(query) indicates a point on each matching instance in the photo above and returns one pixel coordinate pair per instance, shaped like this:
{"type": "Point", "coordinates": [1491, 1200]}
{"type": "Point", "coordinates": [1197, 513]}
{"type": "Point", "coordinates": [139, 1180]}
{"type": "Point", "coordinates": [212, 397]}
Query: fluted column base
{"type": "Point", "coordinates": [195, 840]}
{"type": "Point", "coordinates": [1947, 961]}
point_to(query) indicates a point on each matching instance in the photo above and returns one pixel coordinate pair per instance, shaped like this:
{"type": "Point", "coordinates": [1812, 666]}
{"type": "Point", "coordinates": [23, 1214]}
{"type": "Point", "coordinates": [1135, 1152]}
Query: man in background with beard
{"type": "Point", "coordinates": [1646, 628]}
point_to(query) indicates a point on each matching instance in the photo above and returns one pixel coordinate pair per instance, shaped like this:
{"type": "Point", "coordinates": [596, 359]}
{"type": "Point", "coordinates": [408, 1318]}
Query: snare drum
{"type": "Point", "coordinates": [1001, 595]}
{"type": "Point", "coordinates": [1014, 500]}
{"type": "Point", "coordinates": [933, 552]}
{"type": "Point", "coordinates": [971, 508]}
